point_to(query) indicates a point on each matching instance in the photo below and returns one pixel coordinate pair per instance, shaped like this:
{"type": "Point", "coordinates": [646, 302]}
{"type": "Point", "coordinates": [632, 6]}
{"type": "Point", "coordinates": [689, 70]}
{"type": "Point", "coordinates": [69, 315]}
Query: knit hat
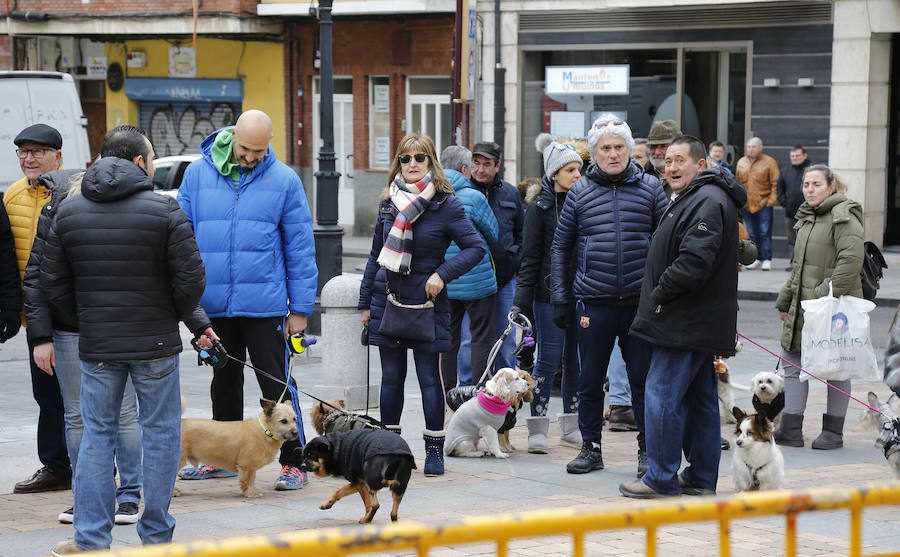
{"type": "Point", "coordinates": [663, 132]}
{"type": "Point", "coordinates": [556, 155]}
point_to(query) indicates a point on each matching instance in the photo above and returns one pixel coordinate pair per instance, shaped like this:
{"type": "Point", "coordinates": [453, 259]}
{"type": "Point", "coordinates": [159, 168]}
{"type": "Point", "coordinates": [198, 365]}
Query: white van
{"type": "Point", "coordinates": [50, 98]}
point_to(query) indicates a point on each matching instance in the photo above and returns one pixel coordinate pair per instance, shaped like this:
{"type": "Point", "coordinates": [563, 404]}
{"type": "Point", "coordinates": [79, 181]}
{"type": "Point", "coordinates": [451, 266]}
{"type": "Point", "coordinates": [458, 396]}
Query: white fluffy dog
{"type": "Point", "coordinates": [472, 431]}
{"type": "Point", "coordinates": [768, 395]}
{"type": "Point", "coordinates": [757, 463]}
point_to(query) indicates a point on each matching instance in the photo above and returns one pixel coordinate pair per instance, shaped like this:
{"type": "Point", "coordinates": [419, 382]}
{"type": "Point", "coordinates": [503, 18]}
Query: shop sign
{"type": "Point", "coordinates": [96, 67]}
{"type": "Point", "coordinates": [587, 80]}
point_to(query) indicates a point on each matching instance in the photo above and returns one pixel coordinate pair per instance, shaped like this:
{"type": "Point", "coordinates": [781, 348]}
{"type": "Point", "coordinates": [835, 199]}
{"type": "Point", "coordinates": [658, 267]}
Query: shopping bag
{"type": "Point", "coordinates": [836, 340]}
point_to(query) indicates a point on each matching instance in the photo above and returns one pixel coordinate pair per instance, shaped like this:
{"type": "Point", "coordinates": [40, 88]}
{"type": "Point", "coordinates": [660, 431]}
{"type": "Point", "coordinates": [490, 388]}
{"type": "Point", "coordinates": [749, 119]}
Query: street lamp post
{"type": "Point", "coordinates": [328, 235]}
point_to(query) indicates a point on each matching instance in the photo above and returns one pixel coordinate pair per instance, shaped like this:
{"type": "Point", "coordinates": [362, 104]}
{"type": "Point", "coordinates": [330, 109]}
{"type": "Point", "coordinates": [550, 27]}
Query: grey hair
{"type": "Point", "coordinates": [755, 140]}
{"type": "Point", "coordinates": [603, 127]}
{"type": "Point", "coordinates": [456, 157]}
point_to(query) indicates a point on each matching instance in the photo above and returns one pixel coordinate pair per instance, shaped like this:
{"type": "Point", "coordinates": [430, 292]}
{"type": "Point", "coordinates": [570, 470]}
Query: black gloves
{"type": "Point", "coordinates": [9, 324]}
{"type": "Point", "coordinates": [561, 316]}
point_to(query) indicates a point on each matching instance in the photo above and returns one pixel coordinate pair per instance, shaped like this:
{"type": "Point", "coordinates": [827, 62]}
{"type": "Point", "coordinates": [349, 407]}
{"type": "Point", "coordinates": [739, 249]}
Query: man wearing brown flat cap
{"type": "Point", "coordinates": [39, 151]}
{"type": "Point", "coordinates": [661, 135]}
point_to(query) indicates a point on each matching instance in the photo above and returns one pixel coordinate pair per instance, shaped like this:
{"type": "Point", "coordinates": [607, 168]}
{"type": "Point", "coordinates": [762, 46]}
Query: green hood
{"type": "Point", "coordinates": [221, 156]}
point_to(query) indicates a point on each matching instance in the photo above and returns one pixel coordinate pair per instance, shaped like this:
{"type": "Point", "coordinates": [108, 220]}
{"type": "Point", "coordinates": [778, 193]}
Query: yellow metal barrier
{"type": "Point", "coordinates": [503, 528]}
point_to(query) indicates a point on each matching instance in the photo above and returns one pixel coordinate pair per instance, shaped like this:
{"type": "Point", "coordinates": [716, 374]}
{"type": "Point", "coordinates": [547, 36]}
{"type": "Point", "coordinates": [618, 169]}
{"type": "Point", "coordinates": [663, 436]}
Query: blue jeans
{"type": "Point", "coordinates": [682, 414]}
{"type": "Point", "coordinates": [759, 227]}
{"type": "Point", "coordinates": [619, 389]}
{"type": "Point", "coordinates": [393, 377]}
{"type": "Point", "coordinates": [555, 346]}
{"type": "Point", "coordinates": [598, 327]}
{"type": "Point", "coordinates": [505, 296]}
{"type": "Point", "coordinates": [128, 443]}
{"type": "Point", "coordinates": [102, 386]}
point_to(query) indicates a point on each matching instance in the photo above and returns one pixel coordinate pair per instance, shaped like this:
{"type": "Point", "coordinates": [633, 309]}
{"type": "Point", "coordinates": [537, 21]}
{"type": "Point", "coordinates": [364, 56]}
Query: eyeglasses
{"type": "Point", "coordinates": [36, 153]}
{"type": "Point", "coordinates": [420, 158]}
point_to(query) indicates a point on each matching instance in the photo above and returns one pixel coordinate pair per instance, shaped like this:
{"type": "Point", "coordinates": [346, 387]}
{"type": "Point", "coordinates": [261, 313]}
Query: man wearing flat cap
{"type": "Point", "coordinates": [39, 150]}
{"type": "Point", "coordinates": [661, 135]}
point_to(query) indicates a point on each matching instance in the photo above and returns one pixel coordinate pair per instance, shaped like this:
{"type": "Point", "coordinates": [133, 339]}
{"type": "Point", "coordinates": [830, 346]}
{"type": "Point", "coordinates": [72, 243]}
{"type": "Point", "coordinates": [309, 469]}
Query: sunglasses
{"type": "Point", "coordinates": [563, 147]}
{"type": "Point", "coordinates": [612, 123]}
{"type": "Point", "coordinates": [420, 158]}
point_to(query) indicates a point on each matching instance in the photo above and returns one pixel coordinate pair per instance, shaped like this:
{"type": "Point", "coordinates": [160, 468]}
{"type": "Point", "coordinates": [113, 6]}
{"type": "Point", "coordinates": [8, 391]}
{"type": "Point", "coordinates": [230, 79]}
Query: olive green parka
{"type": "Point", "coordinates": [829, 247]}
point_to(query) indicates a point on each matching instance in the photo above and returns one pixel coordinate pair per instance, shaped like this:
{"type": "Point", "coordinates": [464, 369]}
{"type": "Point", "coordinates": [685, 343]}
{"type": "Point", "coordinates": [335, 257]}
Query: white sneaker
{"type": "Point", "coordinates": [766, 265]}
{"type": "Point", "coordinates": [67, 516]}
{"type": "Point", "coordinates": [755, 265]}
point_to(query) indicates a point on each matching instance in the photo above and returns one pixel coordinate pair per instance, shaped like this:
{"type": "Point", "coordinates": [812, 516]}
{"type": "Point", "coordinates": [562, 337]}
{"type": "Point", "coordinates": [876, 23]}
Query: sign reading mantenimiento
{"type": "Point", "coordinates": [588, 80]}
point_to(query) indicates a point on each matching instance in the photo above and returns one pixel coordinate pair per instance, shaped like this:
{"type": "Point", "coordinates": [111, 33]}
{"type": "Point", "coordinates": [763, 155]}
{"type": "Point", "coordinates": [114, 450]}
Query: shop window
{"type": "Point", "coordinates": [379, 122]}
{"type": "Point", "coordinates": [428, 109]}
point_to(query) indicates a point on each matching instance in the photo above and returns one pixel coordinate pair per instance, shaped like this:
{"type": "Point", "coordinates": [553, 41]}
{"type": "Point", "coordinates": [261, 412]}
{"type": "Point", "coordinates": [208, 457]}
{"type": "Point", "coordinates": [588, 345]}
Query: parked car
{"type": "Point", "coordinates": [169, 171]}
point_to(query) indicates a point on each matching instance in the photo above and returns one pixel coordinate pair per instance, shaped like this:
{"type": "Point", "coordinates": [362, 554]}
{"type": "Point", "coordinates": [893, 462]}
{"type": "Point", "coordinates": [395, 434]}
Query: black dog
{"type": "Point", "coordinates": [369, 459]}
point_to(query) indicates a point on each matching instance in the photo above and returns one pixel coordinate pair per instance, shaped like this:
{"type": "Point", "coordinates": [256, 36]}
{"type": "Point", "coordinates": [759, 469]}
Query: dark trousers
{"type": "Point", "coordinates": [393, 378]}
{"type": "Point", "coordinates": [598, 327]}
{"type": "Point", "coordinates": [481, 319]}
{"type": "Point", "coordinates": [682, 416]}
{"type": "Point", "coordinates": [264, 339]}
{"type": "Point", "coordinates": [789, 222]}
{"type": "Point", "coordinates": [51, 427]}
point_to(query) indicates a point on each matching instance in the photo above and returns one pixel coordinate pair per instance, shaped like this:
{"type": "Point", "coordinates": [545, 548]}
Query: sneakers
{"type": "Point", "coordinates": [755, 265]}
{"type": "Point", "coordinates": [67, 547]}
{"type": "Point", "coordinates": [291, 478]}
{"type": "Point", "coordinates": [590, 458]}
{"type": "Point", "coordinates": [204, 472]}
{"type": "Point", "coordinates": [621, 418]}
{"type": "Point", "coordinates": [67, 516]}
{"type": "Point", "coordinates": [127, 513]}
{"type": "Point", "coordinates": [766, 265]}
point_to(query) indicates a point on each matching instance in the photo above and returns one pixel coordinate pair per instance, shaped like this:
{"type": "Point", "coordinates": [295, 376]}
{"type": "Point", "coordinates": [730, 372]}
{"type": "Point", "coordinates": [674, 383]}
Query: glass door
{"type": "Point", "coordinates": [343, 144]}
{"type": "Point", "coordinates": [428, 109]}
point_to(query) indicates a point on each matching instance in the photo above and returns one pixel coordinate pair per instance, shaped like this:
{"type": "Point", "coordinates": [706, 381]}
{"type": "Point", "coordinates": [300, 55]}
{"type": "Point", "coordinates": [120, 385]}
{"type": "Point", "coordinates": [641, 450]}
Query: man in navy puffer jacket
{"type": "Point", "coordinates": [475, 292]}
{"type": "Point", "coordinates": [606, 224]}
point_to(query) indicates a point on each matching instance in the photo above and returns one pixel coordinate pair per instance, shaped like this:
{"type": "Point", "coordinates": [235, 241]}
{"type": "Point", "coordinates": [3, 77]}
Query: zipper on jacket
{"type": "Point", "coordinates": [234, 223]}
{"type": "Point", "coordinates": [618, 243]}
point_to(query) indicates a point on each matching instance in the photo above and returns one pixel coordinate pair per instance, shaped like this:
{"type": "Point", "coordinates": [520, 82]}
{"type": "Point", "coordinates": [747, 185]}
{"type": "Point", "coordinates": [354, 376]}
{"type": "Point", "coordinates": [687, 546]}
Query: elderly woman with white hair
{"type": "Point", "coordinates": [605, 225]}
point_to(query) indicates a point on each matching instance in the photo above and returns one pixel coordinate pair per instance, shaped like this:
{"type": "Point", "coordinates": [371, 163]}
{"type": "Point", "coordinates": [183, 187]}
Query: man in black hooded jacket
{"type": "Point", "coordinates": [121, 262]}
{"type": "Point", "coordinates": [688, 312]}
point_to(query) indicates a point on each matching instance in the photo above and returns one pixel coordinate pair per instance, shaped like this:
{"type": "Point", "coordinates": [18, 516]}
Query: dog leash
{"type": "Point", "coordinates": [787, 362]}
{"type": "Point", "coordinates": [215, 357]}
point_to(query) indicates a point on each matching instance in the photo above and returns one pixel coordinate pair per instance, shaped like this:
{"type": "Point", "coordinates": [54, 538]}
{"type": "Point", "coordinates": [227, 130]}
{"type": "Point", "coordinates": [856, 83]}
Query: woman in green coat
{"type": "Point", "coordinates": [829, 248]}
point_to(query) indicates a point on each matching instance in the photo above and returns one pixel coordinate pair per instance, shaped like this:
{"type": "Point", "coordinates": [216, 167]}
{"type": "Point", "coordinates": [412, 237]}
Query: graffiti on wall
{"type": "Point", "coordinates": [178, 128]}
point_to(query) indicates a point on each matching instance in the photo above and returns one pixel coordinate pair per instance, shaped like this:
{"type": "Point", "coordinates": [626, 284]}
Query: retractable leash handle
{"type": "Point", "coordinates": [299, 342]}
{"type": "Point", "coordinates": [216, 356]}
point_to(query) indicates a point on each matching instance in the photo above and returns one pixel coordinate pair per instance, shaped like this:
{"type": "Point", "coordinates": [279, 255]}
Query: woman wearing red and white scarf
{"type": "Point", "coordinates": [417, 219]}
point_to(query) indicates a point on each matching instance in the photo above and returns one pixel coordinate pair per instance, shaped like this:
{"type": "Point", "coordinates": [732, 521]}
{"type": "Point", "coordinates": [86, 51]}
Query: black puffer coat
{"type": "Point", "coordinates": [10, 289]}
{"type": "Point", "coordinates": [689, 296]}
{"type": "Point", "coordinates": [127, 259]}
{"type": "Point", "coordinates": [38, 314]}
{"type": "Point", "coordinates": [533, 283]}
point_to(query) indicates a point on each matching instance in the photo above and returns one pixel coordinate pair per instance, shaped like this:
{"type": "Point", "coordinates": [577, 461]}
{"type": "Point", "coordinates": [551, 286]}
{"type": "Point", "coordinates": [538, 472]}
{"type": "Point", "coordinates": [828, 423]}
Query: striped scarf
{"type": "Point", "coordinates": [411, 201]}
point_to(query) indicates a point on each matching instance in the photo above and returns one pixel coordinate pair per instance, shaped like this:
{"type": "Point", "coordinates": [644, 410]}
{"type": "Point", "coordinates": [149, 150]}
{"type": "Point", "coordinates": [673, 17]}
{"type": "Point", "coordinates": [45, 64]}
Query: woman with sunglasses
{"type": "Point", "coordinates": [562, 168]}
{"type": "Point", "coordinates": [417, 219]}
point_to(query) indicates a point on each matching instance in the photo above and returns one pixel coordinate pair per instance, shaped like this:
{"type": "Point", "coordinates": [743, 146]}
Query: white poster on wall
{"type": "Point", "coordinates": [587, 80]}
{"type": "Point", "coordinates": [381, 98]}
{"type": "Point", "coordinates": [182, 61]}
{"type": "Point", "coordinates": [96, 67]}
{"type": "Point", "coordinates": [382, 151]}
{"type": "Point", "coordinates": [567, 124]}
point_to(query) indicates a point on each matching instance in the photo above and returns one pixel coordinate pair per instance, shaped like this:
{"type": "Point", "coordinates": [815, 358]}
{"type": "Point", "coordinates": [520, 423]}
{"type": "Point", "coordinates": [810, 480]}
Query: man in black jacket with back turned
{"type": "Point", "coordinates": [688, 312]}
{"type": "Point", "coordinates": [121, 262]}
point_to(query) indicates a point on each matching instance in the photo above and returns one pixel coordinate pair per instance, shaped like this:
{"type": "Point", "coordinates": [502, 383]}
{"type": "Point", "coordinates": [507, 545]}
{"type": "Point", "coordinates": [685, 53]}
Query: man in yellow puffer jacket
{"type": "Point", "coordinates": [39, 152]}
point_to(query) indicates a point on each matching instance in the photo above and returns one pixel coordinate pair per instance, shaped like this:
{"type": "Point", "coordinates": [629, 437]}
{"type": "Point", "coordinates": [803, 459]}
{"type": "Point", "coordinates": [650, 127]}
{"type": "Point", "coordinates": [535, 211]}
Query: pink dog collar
{"type": "Point", "coordinates": [492, 403]}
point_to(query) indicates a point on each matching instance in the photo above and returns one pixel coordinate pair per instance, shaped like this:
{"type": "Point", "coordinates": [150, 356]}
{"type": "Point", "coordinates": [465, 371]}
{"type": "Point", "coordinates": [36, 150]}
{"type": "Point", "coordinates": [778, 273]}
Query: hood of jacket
{"type": "Point", "coordinates": [457, 179]}
{"type": "Point", "coordinates": [112, 179]}
{"type": "Point", "coordinates": [206, 148]}
{"type": "Point", "coordinates": [840, 207]}
{"type": "Point", "coordinates": [719, 177]}
{"type": "Point", "coordinates": [59, 182]}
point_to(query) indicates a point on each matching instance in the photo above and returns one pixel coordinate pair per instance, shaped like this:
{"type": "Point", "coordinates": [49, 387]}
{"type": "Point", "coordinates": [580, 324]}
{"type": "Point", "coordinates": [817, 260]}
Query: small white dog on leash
{"type": "Point", "coordinates": [884, 423]}
{"type": "Point", "coordinates": [757, 463]}
{"type": "Point", "coordinates": [472, 431]}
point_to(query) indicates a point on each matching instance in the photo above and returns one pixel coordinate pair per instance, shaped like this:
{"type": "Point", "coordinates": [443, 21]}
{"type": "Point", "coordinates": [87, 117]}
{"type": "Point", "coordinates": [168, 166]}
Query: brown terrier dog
{"type": "Point", "coordinates": [243, 447]}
